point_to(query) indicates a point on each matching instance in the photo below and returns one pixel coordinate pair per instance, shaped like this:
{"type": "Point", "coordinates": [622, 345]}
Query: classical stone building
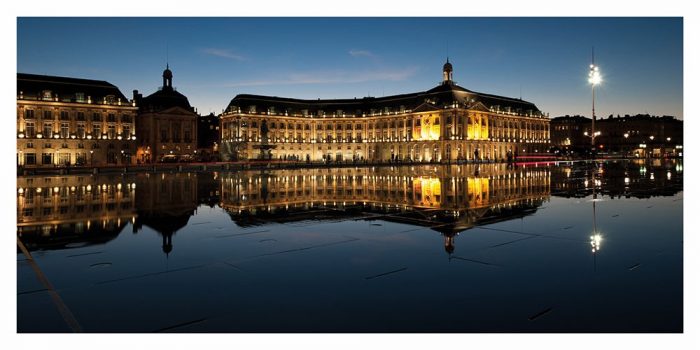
{"type": "Point", "coordinates": [167, 125]}
{"type": "Point", "coordinates": [639, 135]}
{"type": "Point", "coordinates": [446, 123]}
{"type": "Point", "coordinates": [67, 121]}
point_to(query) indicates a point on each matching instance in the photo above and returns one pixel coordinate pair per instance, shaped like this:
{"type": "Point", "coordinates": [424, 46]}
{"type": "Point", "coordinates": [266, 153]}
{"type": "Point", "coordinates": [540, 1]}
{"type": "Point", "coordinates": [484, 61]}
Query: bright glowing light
{"type": "Point", "coordinates": [594, 77]}
{"type": "Point", "coordinates": [595, 242]}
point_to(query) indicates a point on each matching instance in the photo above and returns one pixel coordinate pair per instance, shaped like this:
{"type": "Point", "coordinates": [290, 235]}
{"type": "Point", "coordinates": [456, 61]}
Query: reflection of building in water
{"type": "Point", "coordinates": [632, 178]}
{"type": "Point", "coordinates": [165, 203]}
{"type": "Point", "coordinates": [73, 210]}
{"type": "Point", "coordinates": [61, 211]}
{"type": "Point", "coordinates": [208, 189]}
{"type": "Point", "coordinates": [446, 199]}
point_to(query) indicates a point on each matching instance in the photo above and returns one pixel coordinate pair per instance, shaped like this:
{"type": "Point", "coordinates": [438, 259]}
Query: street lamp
{"type": "Point", "coordinates": [594, 79]}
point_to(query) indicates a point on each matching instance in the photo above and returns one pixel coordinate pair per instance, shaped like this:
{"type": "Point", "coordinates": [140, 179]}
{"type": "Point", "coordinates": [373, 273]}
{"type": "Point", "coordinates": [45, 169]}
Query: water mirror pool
{"type": "Point", "coordinates": [562, 247]}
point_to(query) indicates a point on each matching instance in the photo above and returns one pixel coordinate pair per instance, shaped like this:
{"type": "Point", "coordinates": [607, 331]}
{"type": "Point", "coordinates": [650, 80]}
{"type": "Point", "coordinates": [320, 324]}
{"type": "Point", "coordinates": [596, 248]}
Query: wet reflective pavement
{"type": "Point", "coordinates": [567, 247]}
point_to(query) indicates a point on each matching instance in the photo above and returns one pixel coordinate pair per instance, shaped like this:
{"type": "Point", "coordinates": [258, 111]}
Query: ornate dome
{"type": "Point", "coordinates": [167, 73]}
{"type": "Point", "coordinates": [448, 66]}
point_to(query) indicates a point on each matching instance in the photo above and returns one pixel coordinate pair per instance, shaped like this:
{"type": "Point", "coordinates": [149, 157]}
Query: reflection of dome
{"type": "Point", "coordinates": [167, 244]}
{"type": "Point", "coordinates": [449, 243]}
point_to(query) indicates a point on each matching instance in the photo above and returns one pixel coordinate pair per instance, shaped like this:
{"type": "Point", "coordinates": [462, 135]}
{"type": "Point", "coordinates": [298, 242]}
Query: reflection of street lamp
{"type": "Point", "coordinates": [596, 238]}
{"type": "Point", "coordinates": [594, 79]}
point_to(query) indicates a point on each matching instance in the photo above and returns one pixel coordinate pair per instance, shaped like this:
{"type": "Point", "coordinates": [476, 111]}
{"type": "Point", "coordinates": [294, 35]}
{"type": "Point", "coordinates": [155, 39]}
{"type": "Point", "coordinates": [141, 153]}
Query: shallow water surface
{"type": "Point", "coordinates": [567, 247]}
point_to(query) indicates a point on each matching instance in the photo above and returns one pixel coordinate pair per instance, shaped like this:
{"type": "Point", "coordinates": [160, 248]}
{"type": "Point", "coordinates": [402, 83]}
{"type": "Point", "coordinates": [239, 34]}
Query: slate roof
{"type": "Point", "coordinates": [32, 87]}
{"type": "Point", "coordinates": [445, 94]}
{"type": "Point", "coordinates": [163, 99]}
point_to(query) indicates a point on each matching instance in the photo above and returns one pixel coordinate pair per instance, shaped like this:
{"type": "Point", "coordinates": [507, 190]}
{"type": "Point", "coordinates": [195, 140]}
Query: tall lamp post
{"type": "Point", "coordinates": [594, 79]}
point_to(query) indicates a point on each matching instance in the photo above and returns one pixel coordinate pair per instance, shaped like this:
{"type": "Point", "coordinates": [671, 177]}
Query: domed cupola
{"type": "Point", "coordinates": [167, 77]}
{"type": "Point", "coordinates": [447, 72]}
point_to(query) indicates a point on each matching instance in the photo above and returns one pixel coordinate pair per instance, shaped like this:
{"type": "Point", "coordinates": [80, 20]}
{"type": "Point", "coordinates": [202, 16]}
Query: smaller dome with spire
{"type": "Point", "coordinates": [448, 66]}
{"type": "Point", "coordinates": [167, 73]}
{"type": "Point", "coordinates": [447, 72]}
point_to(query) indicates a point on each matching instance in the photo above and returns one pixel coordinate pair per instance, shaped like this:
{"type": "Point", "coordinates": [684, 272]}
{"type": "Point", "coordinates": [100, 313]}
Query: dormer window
{"type": "Point", "coordinates": [110, 99]}
{"type": "Point", "coordinates": [46, 95]}
{"type": "Point", "coordinates": [252, 109]}
{"type": "Point", "coordinates": [79, 97]}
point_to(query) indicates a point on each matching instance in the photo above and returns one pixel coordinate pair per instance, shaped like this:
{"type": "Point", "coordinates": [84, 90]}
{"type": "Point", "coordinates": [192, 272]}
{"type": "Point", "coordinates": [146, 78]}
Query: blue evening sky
{"type": "Point", "coordinates": [213, 59]}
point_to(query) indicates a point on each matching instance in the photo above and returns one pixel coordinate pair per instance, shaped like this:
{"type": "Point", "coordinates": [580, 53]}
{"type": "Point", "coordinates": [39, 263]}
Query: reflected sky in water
{"type": "Point", "coordinates": [470, 248]}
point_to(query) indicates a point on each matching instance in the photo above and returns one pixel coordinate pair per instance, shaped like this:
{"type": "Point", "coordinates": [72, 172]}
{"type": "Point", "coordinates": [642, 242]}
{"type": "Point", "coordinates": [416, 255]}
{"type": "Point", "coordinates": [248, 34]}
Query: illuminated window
{"type": "Point", "coordinates": [64, 130]}
{"type": "Point", "coordinates": [29, 129]}
{"type": "Point", "coordinates": [48, 130]}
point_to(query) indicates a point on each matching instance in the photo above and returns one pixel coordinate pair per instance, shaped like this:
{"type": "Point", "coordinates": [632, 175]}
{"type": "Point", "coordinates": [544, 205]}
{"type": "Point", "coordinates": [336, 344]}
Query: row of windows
{"type": "Point", "coordinates": [79, 116]}
{"type": "Point", "coordinates": [386, 124]}
{"type": "Point", "coordinates": [29, 212]}
{"type": "Point", "coordinates": [79, 130]}
{"type": "Point", "coordinates": [80, 145]}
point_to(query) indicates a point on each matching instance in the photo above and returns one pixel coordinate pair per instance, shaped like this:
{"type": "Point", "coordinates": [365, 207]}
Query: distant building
{"type": "Point", "coordinates": [167, 125]}
{"type": "Point", "coordinates": [68, 121]}
{"type": "Point", "coordinates": [445, 123]}
{"type": "Point", "coordinates": [640, 135]}
{"type": "Point", "coordinates": [208, 140]}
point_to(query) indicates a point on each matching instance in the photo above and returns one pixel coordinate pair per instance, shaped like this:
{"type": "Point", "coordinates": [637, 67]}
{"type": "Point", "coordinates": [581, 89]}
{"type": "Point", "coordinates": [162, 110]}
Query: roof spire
{"type": "Point", "coordinates": [448, 51]}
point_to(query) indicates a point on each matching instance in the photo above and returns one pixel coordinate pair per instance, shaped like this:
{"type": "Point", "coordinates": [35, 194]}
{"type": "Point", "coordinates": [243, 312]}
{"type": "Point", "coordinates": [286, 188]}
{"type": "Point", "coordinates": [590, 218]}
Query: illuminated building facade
{"type": "Point", "coordinates": [68, 121]}
{"type": "Point", "coordinates": [446, 123]}
{"type": "Point", "coordinates": [639, 135]}
{"type": "Point", "coordinates": [167, 125]}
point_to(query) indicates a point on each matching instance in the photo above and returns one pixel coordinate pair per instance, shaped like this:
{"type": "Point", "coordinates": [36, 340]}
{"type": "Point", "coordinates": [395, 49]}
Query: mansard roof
{"type": "Point", "coordinates": [64, 89]}
{"type": "Point", "coordinates": [444, 95]}
{"type": "Point", "coordinates": [163, 99]}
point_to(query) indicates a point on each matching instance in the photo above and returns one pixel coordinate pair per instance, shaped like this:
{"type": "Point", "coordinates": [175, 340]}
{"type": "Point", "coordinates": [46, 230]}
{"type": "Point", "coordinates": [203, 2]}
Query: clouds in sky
{"type": "Point", "coordinates": [225, 53]}
{"type": "Point", "coordinates": [360, 53]}
{"type": "Point", "coordinates": [333, 77]}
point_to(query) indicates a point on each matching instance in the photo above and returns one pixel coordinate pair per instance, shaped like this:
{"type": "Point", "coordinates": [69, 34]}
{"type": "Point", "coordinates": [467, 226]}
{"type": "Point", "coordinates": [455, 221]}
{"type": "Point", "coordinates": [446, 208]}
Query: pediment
{"type": "Point", "coordinates": [426, 107]}
{"type": "Point", "coordinates": [177, 111]}
{"type": "Point", "coordinates": [478, 106]}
